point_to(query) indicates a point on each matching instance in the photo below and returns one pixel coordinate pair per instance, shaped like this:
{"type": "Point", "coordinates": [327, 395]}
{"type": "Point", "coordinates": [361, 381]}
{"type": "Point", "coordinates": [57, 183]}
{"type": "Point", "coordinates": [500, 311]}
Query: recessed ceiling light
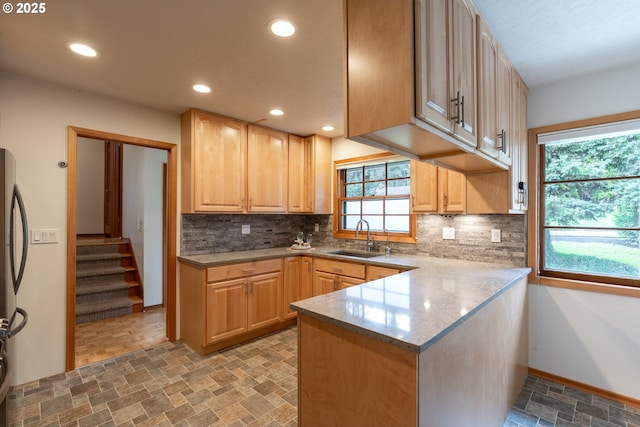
{"type": "Point", "coordinates": [201, 88]}
{"type": "Point", "coordinates": [282, 27]}
{"type": "Point", "coordinates": [276, 112]}
{"type": "Point", "coordinates": [82, 49]}
{"type": "Point", "coordinates": [328, 128]}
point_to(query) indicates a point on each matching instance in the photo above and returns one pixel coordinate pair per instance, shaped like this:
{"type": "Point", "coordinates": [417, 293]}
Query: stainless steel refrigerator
{"type": "Point", "coordinates": [13, 257]}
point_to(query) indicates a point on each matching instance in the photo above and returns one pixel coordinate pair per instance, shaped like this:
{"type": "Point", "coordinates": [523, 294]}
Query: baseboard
{"type": "Point", "coordinates": [585, 387]}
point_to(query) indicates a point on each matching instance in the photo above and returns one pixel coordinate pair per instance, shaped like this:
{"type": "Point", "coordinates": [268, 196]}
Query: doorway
{"type": "Point", "coordinates": [169, 242]}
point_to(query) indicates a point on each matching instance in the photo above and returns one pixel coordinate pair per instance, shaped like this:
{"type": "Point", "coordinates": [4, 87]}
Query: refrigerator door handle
{"type": "Point", "coordinates": [25, 239]}
{"type": "Point", "coordinates": [13, 332]}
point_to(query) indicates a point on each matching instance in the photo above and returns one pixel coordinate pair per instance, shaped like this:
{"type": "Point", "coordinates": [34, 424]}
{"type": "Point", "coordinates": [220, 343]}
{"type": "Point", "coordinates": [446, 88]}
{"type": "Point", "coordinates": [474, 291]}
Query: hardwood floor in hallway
{"type": "Point", "coordinates": [105, 339]}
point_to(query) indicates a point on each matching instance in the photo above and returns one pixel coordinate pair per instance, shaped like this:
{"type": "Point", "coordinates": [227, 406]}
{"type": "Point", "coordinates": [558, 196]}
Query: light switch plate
{"type": "Point", "coordinates": [246, 229]}
{"type": "Point", "coordinates": [44, 235]}
{"type": "Point", "coordinates": [448, 233]}
{"type": "Point", "coordinates": [496, 235]}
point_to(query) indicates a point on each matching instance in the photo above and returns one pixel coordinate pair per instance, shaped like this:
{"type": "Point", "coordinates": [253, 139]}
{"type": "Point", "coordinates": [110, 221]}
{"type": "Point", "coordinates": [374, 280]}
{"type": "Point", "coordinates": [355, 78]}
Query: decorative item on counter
{"type": "Point", "coordinates": [302, 242]}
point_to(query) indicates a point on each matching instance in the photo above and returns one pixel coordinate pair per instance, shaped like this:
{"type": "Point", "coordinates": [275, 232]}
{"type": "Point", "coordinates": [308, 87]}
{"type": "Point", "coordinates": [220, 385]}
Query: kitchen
{"type": "Point", "coordinates": [55, 107]}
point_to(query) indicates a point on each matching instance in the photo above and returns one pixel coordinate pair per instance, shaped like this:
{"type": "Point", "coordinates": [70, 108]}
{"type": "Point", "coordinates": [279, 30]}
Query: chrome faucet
{"type": "Point", "coordinates": [369, 242]}
{"type": "Point", "coordinates": [387, 249]}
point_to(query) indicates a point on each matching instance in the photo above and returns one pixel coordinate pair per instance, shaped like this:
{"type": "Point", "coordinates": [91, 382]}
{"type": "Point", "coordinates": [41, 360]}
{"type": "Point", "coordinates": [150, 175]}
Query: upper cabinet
{"type": "Point", "coordinates": [445, 53]}
{"type": "Point", "coordinates": [267, 166]}
{"type": "Point", "coordinates": [519, 143]}
{"type": "Point", "coordinates": [437, 190]}
{"type": "Point", "coordinates": [229, 166]}
{"type": "Point", "coordinates": [494, 86]}
{"type": "Point", "coordinates": [309, 174]}
{"type": "Point", "coordinates": [411, 80]}
{"type": "Point", "coordinates": [213, 163]}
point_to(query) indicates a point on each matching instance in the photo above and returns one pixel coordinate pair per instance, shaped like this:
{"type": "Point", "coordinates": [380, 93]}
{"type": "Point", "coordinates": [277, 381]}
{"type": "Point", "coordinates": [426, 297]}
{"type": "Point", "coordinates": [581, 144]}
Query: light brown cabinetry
{"type": "Point", "coordinates": [330, 275]}
{"type": "Point", "coordinates": [309, 174]}
{"type": "Point", "coordinates": [417, 93]}
{"type": "Point", "coordinates": [375, 272]}
{"type": "Point", "coordinates": [297, 279]}
{"type": "Point", "coordinates": [230, 166]}
{"type": "Point", "coordinates": [267, 167]}
{"type": "Point", "coordinates": [224, 305]}
{"type": "Point", "coordinates": [213, 162]}
{"type": "Point", "coordinates": [445, 52]}
{"type": "Point", "coordinates": [494, 94]}
{"type": "Point", "coordinates": [519, 145]}
{"type": "Point", "coordinates": [437, 190]}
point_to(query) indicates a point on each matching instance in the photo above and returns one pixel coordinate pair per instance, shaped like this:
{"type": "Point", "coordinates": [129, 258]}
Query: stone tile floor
{"type": "Point", "coordinates": [253, 385]}
{"type": "Point", "coordinates": [544, 403]}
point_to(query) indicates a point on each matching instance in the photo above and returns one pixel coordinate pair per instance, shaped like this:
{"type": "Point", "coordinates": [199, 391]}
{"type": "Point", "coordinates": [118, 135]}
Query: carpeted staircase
{"type": "Point", "coordinates": [107, 281]}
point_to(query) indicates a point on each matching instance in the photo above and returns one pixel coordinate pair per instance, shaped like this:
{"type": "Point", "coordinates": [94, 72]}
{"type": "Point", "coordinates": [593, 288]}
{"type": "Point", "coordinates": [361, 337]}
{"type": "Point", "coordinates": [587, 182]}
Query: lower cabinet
{"type": "Point", "coordinates": [225, 305]}
{"type": "Point", "coordinates": [297, 282]}
{"type": "Point", "coordinates": [375, 272]}
{"type": "Point", "coordinates": [331, 275]}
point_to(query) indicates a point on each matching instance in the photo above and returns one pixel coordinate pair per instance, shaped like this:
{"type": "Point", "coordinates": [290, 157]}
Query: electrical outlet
{"type": "Point", "coordinates": [246, 229]}
{"type": "Point", "coordinates": [448, 233]}
{"type": "Point", "coordinates": [316, 227]}
{"type": "Point", "coordinates": [496, 237]}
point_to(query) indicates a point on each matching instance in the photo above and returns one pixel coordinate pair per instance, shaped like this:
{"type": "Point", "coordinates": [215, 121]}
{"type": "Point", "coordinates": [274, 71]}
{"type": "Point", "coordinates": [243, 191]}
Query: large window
{"type": "Point", "coordinates": [377, 192]}
{"type": "Point", "coordinates": [590, 203]}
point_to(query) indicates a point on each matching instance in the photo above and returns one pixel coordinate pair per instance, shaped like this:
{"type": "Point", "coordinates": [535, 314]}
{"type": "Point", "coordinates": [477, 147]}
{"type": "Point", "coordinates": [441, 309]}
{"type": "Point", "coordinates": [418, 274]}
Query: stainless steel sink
{"type": "Point", "coordinates": [355, 254]}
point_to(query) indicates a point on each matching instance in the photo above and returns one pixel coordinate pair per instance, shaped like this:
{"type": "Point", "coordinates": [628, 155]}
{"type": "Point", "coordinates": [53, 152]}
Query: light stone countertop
{"type": "Point", "coordinates": [413, 309]}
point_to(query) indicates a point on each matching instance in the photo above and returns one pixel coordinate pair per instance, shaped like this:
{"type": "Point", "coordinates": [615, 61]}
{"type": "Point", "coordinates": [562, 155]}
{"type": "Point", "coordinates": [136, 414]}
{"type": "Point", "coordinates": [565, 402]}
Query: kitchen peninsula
{"type": "Point", "coordinates": [443, 343]}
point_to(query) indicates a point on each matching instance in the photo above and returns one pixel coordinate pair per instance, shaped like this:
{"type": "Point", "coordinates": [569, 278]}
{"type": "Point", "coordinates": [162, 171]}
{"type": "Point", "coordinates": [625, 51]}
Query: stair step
{"type": "Point", "coordinates": [99, 271]}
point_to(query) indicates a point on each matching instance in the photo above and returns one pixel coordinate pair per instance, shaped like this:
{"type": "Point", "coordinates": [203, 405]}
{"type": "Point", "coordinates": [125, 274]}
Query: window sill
{"type": "Point", "coordinates": [375, 237]}
{"type": "Point", "coordinates": [602, 288]}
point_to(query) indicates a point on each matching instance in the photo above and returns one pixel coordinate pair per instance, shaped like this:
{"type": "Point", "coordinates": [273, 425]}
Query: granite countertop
{"type": "Point", "coordinates": [413, 309]}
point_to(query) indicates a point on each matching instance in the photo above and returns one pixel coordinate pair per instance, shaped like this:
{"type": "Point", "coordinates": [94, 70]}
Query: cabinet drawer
{"type": "Point", "coordinates": [377, 272]}
{"type": "Point", "coordinates": [340, 267]}
{"type": "Point", "coordinates": [243, 269]}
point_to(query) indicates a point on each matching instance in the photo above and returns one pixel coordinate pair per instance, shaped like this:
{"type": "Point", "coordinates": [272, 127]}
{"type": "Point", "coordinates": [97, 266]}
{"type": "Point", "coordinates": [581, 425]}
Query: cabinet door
{"type": "Point", "coordinates": [292, 284]}
{"type": "Point", "coordinates": [432, 54]}
{"type": "Point", "coordinates": [424, 187]}
{"type": "Point", "coordinates": [519, 143]}
{"type": "Point", "coordinates": [323, 283]}
{"type": "Point", "coordinates": [226, 309]}
{"type": "Point", "coordinates": [306, 278]}
{"type": "Point", "coordinates": [298, 170]}
{"type": "Point", "coordinates": [462, 64]}
{"type": "Point", "coordinates": [487, 90]}
{"type": "Point", "coordinates": [452, 191]}
{"type": "Point", "coordinates": [267, 170]}
{"type": "Point", "coordinates": [504, 106]}
{"type": "Point", "coordinates": [217, 163]}
{"type": "Point", "coordinates": [346, 281]}
{"type": "Point", "coordinates": [264, 300]}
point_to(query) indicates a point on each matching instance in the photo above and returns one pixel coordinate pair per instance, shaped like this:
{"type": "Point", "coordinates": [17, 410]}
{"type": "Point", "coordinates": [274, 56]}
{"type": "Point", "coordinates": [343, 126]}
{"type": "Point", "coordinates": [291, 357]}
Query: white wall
{"type": "Point", "coordinates": [34, 116]}
{"type": "Point", "coordinates": [588, 337]}
{"type": "Point", "coordinates": [90, 188]}
{"type": "Point", "coordinates": [153, 184]}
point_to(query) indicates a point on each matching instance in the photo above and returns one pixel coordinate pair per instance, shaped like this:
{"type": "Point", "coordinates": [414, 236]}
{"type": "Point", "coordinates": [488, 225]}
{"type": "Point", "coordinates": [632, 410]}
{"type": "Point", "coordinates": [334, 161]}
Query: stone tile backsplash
{"type": "Point", "coordinates": [205, 233]}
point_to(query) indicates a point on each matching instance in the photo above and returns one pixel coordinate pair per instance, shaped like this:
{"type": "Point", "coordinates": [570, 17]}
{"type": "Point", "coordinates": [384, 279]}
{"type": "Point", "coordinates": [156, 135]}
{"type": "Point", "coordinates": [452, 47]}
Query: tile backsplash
{"type": "Point", "coordinates": [206, 233]}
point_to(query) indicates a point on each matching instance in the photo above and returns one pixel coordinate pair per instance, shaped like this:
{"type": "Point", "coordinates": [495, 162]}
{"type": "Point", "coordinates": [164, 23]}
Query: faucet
{"type": "Point", "coordinates": [387, 249]}
{"type": "Point", "coordinates": [369, 242]}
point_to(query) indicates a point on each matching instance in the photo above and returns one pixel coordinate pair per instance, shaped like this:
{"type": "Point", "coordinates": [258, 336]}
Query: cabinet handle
{"type": "Point", "coordinates": [248, 270]}
{"type": "Point", "coordinates": [250, 285]}
{"type": "Point", "coordinates": [337, 270]}
{"type": "Point", "coordinates": [459, 117]}
{"type": "Point", "coordinates": [413, 201]}
{"type": "Point", "coordinates": [250, 203]}
{"type": "Point", "coordinates": [308, 266]}
{"type": "Point", "coordinates": [502, 137]}
{"type": "Point", "coordinates": [336, 283]}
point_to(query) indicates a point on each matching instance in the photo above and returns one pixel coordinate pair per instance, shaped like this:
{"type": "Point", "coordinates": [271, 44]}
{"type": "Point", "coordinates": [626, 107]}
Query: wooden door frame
{"type": "Point", "coordinates": [171, 238]}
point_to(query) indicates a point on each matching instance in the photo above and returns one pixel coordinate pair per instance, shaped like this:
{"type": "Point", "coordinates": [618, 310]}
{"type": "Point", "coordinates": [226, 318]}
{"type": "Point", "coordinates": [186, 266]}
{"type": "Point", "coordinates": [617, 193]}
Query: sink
{"type": "Point", "coordinates": [355, 254]}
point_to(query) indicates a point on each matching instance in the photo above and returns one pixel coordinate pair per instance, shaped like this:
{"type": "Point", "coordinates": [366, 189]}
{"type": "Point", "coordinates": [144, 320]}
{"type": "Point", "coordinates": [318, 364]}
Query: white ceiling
{"type": "Point", "coordinates": [152, 51]}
